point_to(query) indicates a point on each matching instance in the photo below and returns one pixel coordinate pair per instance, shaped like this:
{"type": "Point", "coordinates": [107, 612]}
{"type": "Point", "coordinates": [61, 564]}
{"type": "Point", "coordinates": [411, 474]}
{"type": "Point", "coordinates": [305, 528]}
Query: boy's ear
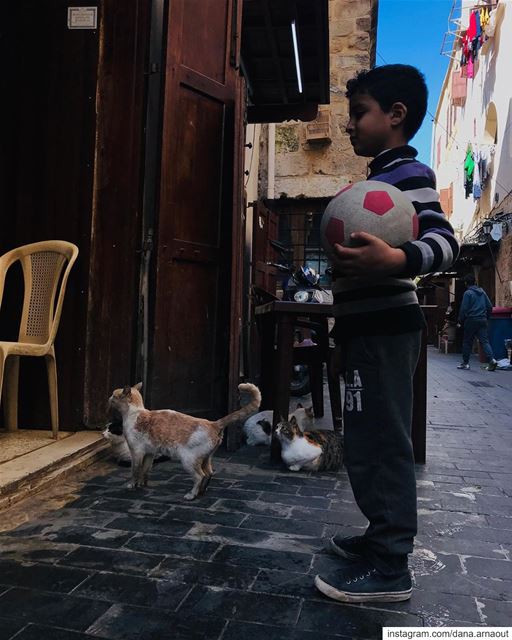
{"type": "Point", "coordinates": [398, 113]}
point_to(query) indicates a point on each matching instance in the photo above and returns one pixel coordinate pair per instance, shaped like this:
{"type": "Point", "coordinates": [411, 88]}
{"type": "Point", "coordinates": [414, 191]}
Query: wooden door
{"type": "Point", "coordinates": [70, 169]}
{"type": "Point", "coordinates": [190, 351]}
{"type": "Point", "coordinates": [48, 121]}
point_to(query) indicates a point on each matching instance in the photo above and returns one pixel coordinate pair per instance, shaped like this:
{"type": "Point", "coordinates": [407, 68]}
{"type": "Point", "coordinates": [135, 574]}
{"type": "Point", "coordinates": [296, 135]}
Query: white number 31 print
{"type": "Point", "coordinates": [353, 401]}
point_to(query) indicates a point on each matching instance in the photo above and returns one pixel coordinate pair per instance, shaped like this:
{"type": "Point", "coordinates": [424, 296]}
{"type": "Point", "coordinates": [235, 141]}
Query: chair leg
{"type": "Point", "coordinates": [51, 367]}
{"type": "Point", "coordinates": [334, 383]}
{"type": "Point", "coordinates": [11, 374]}
{"type": "Point", "coordinates": [316, 382]}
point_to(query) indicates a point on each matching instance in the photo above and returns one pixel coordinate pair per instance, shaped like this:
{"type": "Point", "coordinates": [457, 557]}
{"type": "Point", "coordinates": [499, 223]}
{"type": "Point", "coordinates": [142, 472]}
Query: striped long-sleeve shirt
{"type": "Point", "coordinates": [389, 305]}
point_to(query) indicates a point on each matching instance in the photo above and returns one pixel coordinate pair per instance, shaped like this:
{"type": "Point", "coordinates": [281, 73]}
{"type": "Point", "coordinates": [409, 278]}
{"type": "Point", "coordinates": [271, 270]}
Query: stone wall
{"type": "Point", "coordinates": [504, 269]}
{"type": "Point", "coordinates": [306, 168]}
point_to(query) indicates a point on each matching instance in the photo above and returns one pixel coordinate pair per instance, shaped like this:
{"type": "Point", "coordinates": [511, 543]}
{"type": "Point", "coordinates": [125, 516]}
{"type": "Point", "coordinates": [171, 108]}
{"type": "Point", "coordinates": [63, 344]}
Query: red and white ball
{"type": "Point", "coordinates": [372, 206]}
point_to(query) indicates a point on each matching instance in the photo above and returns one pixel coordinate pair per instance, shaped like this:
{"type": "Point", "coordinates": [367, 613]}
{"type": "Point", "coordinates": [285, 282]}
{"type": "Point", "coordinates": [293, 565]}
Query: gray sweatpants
{"type": "Point", "coordinates": [378, 373]}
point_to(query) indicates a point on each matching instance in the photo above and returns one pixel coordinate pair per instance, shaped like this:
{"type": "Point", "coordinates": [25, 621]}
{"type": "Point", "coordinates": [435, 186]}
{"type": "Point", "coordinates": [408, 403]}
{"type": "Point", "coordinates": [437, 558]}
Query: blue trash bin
{"type": "Point", "coordinates": [500, 328]}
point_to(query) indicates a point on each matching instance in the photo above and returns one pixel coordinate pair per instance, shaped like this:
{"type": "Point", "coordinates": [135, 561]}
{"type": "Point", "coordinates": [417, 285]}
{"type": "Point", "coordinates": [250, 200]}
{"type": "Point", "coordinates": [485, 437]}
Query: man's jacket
{"type": "Point", "coordinates": [475, 304]}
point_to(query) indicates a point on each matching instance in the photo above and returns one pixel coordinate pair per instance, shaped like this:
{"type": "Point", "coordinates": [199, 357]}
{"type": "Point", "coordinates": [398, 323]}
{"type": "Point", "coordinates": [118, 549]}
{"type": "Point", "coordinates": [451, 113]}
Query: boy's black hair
{"type": "Point", "coordinates": [392, 83]}
{"type": "Point", "coordinates": [469, 280]}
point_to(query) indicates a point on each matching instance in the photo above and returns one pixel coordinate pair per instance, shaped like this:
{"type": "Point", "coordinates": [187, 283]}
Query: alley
{"type": "Point", "coordinates": [91, 559]}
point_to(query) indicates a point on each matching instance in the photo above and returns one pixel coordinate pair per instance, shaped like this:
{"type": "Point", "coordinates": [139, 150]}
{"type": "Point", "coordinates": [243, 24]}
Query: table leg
{"type": "Point", "coordinates": [267, 331]}
{"type": "Point", "coordinates": [419, 414]}
{"type": "Point", "coordinates": [282, 377]}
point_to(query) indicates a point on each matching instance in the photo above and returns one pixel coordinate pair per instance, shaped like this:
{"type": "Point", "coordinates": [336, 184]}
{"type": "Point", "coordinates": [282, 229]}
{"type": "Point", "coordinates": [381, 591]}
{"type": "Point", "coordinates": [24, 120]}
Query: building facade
{"type": "Point", "coordinates": [472, 142]}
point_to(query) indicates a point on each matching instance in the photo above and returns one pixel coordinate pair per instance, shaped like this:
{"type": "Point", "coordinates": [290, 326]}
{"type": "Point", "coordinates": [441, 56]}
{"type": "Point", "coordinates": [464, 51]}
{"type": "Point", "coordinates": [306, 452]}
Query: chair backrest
{"type": "Point", "coordinates": [45, 285]}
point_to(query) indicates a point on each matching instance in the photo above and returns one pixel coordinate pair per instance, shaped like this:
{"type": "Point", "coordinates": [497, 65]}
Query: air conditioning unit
{"type": "Point", "coordinates": [320, 130]}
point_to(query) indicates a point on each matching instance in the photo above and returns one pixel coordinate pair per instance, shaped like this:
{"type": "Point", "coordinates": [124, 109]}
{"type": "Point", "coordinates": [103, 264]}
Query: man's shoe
{"type": "Point", "coordinates": [350, 548]}
{"type": "Point", "coordinates": [463, 365]}
{"type": "Point", "coordinates": [492, 365]}
{"type": "Point", "coordinates": [363, 583]}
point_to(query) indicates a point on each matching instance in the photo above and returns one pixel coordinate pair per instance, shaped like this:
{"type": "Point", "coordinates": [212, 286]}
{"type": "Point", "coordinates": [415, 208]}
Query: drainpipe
{"type": "Point", "coordinates": [271, 161]}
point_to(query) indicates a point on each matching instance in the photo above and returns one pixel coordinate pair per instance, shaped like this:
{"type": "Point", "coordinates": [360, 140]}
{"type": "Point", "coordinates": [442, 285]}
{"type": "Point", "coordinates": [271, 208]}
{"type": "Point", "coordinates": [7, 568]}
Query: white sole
{"type": "Point", "coordinates": [343, 596]}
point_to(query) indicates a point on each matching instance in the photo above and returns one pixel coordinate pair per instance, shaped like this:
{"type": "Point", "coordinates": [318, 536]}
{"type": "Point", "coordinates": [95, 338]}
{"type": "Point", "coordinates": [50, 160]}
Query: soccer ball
{"type": "Point", "coordinates": [372, 206]}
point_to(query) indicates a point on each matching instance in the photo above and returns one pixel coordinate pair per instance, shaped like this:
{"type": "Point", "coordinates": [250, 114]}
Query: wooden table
{"type": "Point", "coordinates": [277, 321]}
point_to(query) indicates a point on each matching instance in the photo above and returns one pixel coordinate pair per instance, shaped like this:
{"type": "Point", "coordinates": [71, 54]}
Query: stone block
{"type": "Point", "coordinates": [342, 27]}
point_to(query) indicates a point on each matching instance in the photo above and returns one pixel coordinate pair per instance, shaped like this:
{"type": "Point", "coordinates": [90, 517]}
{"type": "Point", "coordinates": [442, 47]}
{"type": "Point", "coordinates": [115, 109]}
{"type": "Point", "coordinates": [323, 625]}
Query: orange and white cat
{"type": "Point", "coordinates": [191, 440]}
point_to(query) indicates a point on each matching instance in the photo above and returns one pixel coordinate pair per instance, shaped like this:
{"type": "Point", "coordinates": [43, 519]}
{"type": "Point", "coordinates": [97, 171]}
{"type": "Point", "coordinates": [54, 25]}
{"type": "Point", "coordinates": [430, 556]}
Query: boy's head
{"type": "Point", "coordinates": [469, 280]}
{"type": "Point", "coordinates": [387, 107]}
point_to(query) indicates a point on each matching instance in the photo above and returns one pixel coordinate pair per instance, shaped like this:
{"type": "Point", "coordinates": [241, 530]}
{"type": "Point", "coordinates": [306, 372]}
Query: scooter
{"type": "Point", "coordinates": [303, 286]}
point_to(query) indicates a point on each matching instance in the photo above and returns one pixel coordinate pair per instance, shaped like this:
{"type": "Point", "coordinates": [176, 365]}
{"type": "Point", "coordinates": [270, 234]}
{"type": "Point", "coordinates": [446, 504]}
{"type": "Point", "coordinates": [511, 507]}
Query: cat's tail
{"type": "Point", "coordinates": [251, 407]}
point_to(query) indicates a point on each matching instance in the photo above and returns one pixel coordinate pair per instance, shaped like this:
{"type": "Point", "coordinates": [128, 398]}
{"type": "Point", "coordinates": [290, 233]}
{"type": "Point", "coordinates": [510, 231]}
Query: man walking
{"type": "Point", "coordinates": [474, 313]}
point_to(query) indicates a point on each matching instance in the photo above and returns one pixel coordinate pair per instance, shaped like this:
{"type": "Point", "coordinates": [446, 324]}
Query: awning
{"type": "Point", "coordinates": [285, 58]}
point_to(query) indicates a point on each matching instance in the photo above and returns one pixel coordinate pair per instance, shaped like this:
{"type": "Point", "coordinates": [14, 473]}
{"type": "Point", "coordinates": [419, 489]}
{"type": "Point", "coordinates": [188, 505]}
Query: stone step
{"type": "Point", "coordinates": [29, 473]}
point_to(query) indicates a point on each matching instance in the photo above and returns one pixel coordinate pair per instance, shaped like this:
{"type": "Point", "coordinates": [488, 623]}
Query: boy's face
{"type": "Point", "coordinates": [369, 127]}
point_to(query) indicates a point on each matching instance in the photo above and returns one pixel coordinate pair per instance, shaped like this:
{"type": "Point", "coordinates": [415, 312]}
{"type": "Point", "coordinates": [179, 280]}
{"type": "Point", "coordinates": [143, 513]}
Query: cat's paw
{"type": "Point", "coordinates": [131, 485]}
{"type": "Point", "coordinates": [294, 467]}
{"type": "Point", "coordinates": [190, 495]}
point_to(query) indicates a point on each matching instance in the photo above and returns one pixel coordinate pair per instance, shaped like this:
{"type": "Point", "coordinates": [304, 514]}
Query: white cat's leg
{"type": "Point", "coordinates": [147, 463]}
{"type": "Point", "coordinates": [137, 460]}
{"type": "Point", "coordinates": [194, 468]}
{"type": "Point", "coordinates": [294, 467]}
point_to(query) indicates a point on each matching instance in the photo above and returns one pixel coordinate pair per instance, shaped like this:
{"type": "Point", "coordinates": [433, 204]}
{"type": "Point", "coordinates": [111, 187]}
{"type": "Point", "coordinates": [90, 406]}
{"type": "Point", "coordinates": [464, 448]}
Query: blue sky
{"type": "Point", "coordinates": [411, 32]}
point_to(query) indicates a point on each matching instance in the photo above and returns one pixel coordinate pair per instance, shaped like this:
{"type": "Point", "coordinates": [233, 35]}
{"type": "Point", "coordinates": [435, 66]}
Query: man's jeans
{"type": "Point", "coordinates": [476, 327]}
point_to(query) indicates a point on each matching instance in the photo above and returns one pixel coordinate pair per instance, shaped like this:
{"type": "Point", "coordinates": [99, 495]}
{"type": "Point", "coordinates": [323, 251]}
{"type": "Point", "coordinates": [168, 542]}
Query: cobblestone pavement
{"type": "Point", "coordinates": [91, 559]}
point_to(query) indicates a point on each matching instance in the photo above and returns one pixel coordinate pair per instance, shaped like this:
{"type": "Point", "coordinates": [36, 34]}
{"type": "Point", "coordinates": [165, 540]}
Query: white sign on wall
{"type": "Point", "coordinates": [82, 17]}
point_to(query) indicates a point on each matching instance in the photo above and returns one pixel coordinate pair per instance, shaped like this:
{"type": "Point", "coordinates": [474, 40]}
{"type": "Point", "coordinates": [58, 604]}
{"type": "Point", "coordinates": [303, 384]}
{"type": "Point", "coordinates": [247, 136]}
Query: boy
{"type": "Point", "coordinates": [378, 336]}
{"type": "Point", "coordinates": [474, 313]}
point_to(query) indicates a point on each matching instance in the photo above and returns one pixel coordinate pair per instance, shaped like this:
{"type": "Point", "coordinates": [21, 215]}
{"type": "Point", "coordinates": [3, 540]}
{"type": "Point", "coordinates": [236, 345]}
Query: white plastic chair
{"type": "Point", "coordinates": [43, 264]}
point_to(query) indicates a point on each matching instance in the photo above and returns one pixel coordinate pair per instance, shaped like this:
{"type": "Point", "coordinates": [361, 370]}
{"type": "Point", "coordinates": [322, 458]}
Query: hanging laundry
{"type": "Point", "coordinates": [472, 26]}
{"type": "Point", "coordinates": [484, 168]}
{"type": "Point", "coordinates": [490, 27]}
{"type": "Point", "coordinates": [469, 167]}
{"type": "Point", "coordinates": [477, 187]}
{"type": "Point", "coordinates": [470, 69]}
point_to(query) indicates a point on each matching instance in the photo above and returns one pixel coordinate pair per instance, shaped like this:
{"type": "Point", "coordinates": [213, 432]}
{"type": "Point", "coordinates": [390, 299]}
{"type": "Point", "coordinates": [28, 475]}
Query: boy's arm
{"type": "Point", "coordinates": [436, 248]}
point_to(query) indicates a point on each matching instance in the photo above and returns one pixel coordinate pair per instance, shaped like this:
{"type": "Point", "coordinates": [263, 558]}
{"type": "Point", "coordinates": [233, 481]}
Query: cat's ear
{"type": "Point", "coordinates": [127, 390]}
{"type": "Point", "coordinates": [282, 418]}
{"type": "Point", "coordinates": [309, 412]}
{"type": "Point", "coordinates": [293, 421]}
{"type": "Point", "coordinates": [138, 386]}
{"type": "Point", "coordinates": [299, 405]}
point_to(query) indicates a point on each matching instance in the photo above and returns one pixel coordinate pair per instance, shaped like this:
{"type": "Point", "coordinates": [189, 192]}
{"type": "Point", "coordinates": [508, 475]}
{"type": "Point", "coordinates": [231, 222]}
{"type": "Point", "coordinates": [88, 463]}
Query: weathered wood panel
{"type": "Point", "coordinates": [190, 357]}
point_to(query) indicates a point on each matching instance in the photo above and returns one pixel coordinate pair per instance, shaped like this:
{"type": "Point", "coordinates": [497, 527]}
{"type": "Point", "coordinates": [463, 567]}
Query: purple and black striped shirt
{"type": "Point", "coordinates": [389, 305]}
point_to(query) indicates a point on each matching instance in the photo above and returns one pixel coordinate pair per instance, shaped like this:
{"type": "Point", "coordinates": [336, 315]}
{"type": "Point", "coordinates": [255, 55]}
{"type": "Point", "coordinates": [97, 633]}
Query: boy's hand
{"type": "Point", "coordinates": [374, 256]}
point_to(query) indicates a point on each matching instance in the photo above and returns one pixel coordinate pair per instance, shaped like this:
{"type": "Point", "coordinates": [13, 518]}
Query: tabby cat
{"type": "Point", "coordinates": [311, 450]}
{"type": "Point", "coordinates": [191, 440]}
{"type": "Point", "coordinates": [257, 428]}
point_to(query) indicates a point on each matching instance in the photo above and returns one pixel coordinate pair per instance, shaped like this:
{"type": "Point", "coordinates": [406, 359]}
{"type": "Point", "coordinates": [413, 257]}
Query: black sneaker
{"type": "Point", "coordinates": [463, 365]}
{"type": "Point", "coordinates": [349, 548]}
{"type": "Point", "coordinates": [363, 583]}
